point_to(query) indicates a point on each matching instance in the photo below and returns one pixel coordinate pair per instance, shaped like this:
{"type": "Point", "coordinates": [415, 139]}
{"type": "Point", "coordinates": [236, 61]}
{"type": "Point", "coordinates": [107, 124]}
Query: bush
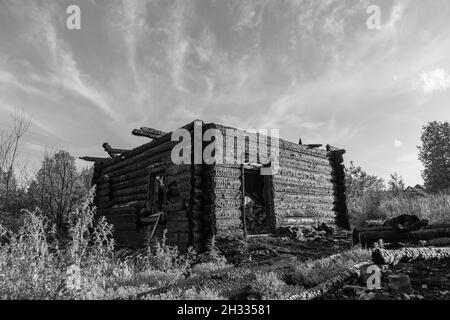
{"type": "Point", "coordinates": [366, 207]}
{"type": "Point", "coordinates": [164, 257]}
{"type": "Point", "coordinates": [268, 286]}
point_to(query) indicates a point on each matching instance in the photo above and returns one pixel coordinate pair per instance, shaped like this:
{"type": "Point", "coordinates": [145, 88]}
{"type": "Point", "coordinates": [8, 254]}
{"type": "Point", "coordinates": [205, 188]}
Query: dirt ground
{"type": "Point", "coordinates": [264, 249]}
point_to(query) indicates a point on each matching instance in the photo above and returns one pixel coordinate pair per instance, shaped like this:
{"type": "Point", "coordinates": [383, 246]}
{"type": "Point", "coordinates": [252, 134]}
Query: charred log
{"type": "Point", "coordinates": [95, 159]}
{"type": "Point", "coordinates": [394, 257]}
{"type": "Point", "coordinates": [368, 236]}
{"type": "Point", "coordinates": [113, 153]}
{"type": "Point", "coordinates": [149, 133]}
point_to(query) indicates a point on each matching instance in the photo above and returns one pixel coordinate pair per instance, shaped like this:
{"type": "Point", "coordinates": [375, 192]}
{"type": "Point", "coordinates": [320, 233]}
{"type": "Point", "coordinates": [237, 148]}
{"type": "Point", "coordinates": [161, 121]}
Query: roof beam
{"type": "Point", "coordinates": [113, 153]}
{"type": "Point", "coordinates": [94, 159]}
{"type": "Point", "coordinates": [148, 133]}
{"type": "Point", "coordinates": [312, 146]}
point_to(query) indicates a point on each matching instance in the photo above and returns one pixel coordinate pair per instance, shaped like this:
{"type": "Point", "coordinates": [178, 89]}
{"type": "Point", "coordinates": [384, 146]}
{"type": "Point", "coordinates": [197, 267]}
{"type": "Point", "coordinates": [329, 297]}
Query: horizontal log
{"type": "Point", "coordinates": [148, 133]}
{"type": "Point", "coordinates": [228, 214]}
{"type": "Point", "coordinates": [157, 133]}
{"type": "Point", "coordinates": [394, 257]}
{"type": "Point", "coordinates": [283, 144]}
{"type": "Point", "coordinates": [148, 146]}
{"type": "Point", "coordinates": [313, 146]}
{"type": "Point", "coordinates": [283, 222]}
{"type": "Point", "coordinates": [96, 159]}
{"type": "Point", "coordinates": [116, 185]}
{"type": "Point", "coordinates": [307, 179]}
{"type": "Point", "coordinates": [368, 236]}
{"type": "Point", "coordinates": [143, 164]}
{"type": "Point", "coordinates": [304, 198]}
{"type": "Point", "coordinates": [113, 153]}
{"type": "Point", "coordinates": [301, 189]}
{"type": "Point", "coordinates": [119, 211]}
{"type": "Point", "coordinates": [318, 214]}
{"type": "Point", "coordinates": [121, 163]}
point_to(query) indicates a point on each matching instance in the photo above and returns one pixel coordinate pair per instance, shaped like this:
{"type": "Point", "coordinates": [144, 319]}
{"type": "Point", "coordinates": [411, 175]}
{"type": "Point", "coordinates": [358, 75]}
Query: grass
{"type": "Point", "coordinates": [313, 272]}
{"type": "Point", "coordinates": [435, 208]}
{"type": "Point", "coordinates": [305, 275]}
{"type": "Point", "coordinates": [269, 286]}
{"type": "Point", "coordinates": [35, 263]}
{"type": "Point", "coordinates": [382, 206]}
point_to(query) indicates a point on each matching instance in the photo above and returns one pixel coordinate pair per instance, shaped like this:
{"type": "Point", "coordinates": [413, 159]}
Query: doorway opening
{"type": "Point", "coordinates": [256, 201]}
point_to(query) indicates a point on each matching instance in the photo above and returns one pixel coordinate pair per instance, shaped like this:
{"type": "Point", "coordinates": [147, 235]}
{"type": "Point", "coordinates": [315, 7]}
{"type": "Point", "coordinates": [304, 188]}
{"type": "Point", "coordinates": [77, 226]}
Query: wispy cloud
{"type": "Point", "coordinates": [433, 81]}
{"type": "Point", "coordinates": [310, 68]}
{"type": "Point", "coordinates": [398, 143]}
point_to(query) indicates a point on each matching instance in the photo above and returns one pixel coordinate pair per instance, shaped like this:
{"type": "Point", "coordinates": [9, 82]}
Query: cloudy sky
{"type": "Point", "coordinates": [311, 68]}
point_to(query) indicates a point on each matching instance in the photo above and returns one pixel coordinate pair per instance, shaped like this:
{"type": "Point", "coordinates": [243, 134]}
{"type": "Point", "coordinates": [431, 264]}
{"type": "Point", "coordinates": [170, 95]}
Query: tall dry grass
{"type": "Point", "coordinates": [35, 263]}
{"type": "Point", "coordinates": [435, 208]}
{"type": "Point", "coordinates": [383, 205]}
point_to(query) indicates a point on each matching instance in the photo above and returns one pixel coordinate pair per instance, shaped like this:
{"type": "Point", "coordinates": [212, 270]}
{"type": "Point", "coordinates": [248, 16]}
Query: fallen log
{"type": "Point", "coordinates": [394, 257]}
{"type": "Point", "coordinates": [369, 235]}
{"type": "Point", "coordinates": [326, 286]}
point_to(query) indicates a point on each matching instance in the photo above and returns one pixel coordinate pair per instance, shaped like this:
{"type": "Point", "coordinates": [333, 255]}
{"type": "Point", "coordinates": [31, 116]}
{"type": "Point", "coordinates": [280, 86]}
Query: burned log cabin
{"type": "Point", "coordinates": [144, 194]}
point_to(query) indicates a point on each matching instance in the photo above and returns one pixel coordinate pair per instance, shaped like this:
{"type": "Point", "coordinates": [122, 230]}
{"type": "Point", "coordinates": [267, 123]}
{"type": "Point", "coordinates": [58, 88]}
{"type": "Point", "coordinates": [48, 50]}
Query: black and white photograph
{"type": "Point", "coordinates": [247, 152]}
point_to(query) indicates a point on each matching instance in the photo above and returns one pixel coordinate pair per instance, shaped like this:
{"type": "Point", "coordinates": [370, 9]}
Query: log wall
{"type": "Point", "coordinates": [122, 192]}
{"type": "Point", "coordinates": [307, 190]}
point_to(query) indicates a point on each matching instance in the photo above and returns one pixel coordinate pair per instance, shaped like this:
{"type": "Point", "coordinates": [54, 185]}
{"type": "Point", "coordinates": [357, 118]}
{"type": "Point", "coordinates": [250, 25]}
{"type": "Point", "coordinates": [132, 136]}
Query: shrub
{"type": "Point", "coordinates": [164, 257]}
{"type": "Point", "coordinates": [268, 286]}
{"type": "Point", "coordinates": [366, 207]}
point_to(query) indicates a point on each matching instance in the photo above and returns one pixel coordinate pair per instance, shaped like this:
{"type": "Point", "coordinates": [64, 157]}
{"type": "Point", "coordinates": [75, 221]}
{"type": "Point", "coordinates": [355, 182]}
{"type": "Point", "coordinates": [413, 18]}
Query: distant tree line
{"type": "Point", "coordinates": [57, 188]}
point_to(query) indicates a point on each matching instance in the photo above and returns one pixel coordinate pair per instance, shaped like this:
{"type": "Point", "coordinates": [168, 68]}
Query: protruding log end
{"type": "Point", "coordinates": [94, 159]}
{"type": "Point", "coordinates": [148, 133]}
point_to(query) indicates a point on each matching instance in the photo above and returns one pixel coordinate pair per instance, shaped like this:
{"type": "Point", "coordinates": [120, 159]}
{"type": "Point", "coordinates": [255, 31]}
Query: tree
{"type": "Point", "coordinates": [58, 187]}
{"type": "Point", "coordinates": [434, 153]}
{"type": "Point", "coordinates": [359, 182]}
{"type": "Point", "coordinates": [364, 192]}
{"type": "Point", "coordinates": [396, 185]}
{"type": "Point", "coordinates": [9, 151]}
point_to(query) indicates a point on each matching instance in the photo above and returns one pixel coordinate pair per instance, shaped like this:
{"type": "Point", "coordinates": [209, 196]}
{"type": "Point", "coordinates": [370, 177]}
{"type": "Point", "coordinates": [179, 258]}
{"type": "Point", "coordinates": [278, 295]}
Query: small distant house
{"type": "Point", "coordinates": [416, 191]}
{"type": "Point", "coordinates": [142, 191]}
